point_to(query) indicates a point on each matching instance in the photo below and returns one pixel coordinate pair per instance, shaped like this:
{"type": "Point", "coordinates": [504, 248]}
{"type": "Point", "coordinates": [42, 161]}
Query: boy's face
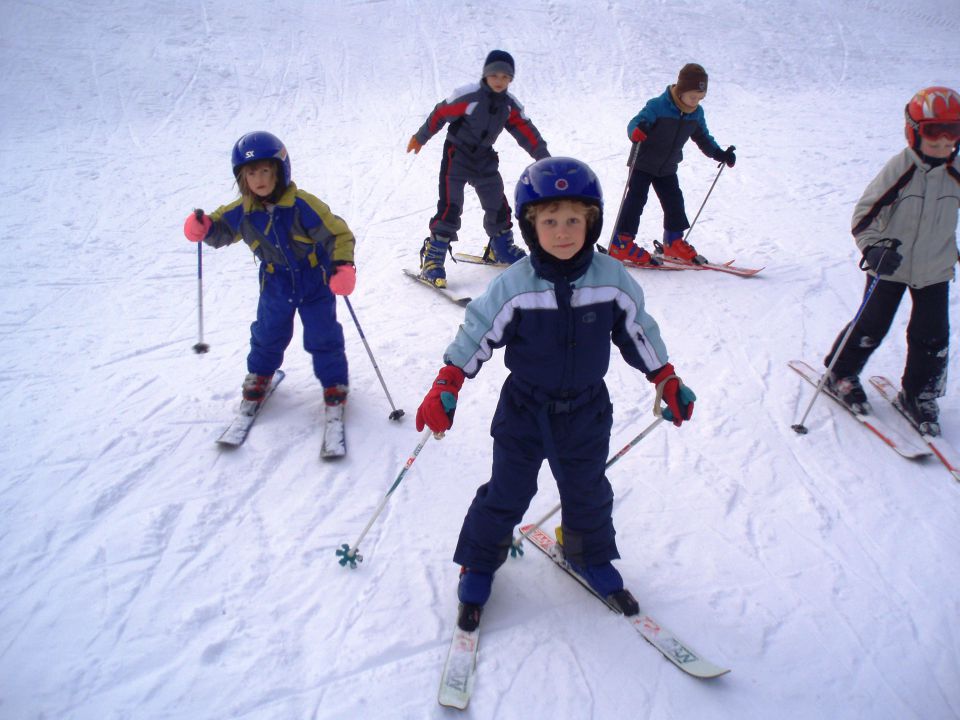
{"type": "Point", "coordinates": [938, 148]}
{"type": "Point", "coordinates": [562, 229]}
{"type": "Point", "coordinates": [692, 97]}
{"type": "Point", "coordinates": [498, 82]}
{"type": "Point", "coordinates": [260, 177]}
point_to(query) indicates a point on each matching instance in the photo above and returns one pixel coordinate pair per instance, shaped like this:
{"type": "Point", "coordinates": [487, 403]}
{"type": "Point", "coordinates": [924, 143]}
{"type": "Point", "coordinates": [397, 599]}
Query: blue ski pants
{"type": "Point", "coordinates": [574, 437]}
{"type": "Point", "coordinates": [283, 293]}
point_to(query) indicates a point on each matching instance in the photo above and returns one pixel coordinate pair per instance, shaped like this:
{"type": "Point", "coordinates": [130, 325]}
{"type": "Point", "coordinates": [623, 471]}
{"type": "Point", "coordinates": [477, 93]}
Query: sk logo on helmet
{"type": "Point", "coordinates": [561, 184]}
{"type": "Point", "coordinates": [250, 153]}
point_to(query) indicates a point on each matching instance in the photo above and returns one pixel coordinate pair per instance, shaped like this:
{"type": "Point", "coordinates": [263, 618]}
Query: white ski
{"type": "Point", "coordinates": [334, 437]}
{"type": "Point", "coordinates": [462, 301]}
{"type": "Point", "coordinates": [891, 434]}
{"type": "Point", "coordinates": [456, 683]}
{"type": "Point", "coordinates": [236, 432]}
{"type": "Point", "coordinates": [669, 645]}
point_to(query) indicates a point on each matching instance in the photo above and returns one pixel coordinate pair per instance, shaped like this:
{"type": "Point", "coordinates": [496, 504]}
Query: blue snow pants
{"type": "Point", "coordinates": [574, 437]}
{"type": "Point", "coordinates": [284, 292]}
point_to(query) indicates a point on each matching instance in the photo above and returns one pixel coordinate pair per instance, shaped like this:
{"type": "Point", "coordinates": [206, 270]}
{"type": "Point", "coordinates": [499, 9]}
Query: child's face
{"type": "Point", "coordinates": [562, 229]}
{"type": "Point", "coordinates": [939, 148]}
{"type": "Point", "coordinates": [692, 97]}
{"type": "Point", "coordinates": [498, 82]}
{"type": "Point", "coordinates": [260, 177]}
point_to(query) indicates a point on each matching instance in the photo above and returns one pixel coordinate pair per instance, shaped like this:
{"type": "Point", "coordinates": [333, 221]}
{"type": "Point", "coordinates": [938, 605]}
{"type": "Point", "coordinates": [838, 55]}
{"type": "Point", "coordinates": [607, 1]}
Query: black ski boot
{"type": "Point", "coordinates": [922, 411]}
{"type": "Point", "coordinates": [850, 392]}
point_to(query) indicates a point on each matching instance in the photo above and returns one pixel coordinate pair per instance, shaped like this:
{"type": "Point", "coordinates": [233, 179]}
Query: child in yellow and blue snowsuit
{"type": "Point", "coordinates": [555, 312]}
{"type": "Point", "coordinates": [306, 258]}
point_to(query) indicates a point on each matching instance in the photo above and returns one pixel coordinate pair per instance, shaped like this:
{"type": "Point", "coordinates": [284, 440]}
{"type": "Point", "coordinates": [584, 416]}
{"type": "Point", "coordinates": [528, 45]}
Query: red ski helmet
{"type": "Point", "coordinates": [933, 112]}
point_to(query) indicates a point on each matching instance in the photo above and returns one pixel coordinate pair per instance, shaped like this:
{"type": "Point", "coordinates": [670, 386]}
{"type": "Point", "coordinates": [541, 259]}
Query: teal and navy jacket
{"type": "Point", "coordinates": [557, 331]}
{"type": "Point", "coordinates": [667, 129]}
{"type": "Point", "coordinates": [297, 233]}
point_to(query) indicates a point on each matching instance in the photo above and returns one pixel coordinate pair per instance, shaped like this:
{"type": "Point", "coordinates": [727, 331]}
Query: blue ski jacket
{"type": "Point", "coordinates": [667, 129]}
{"type": "Point", "coordinates": [557, 332]}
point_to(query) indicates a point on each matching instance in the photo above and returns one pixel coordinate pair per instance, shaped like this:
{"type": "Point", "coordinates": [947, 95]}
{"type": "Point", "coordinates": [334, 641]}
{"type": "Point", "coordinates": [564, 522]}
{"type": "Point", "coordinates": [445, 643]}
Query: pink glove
{"type": "Point", "coordinates": [344, 280]}
{"type": "Point", "coordinates": [196, 226]}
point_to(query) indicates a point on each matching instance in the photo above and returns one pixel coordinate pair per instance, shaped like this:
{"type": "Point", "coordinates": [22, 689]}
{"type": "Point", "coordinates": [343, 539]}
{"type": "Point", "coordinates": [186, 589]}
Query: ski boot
{"type": "Point", "coordinates": [674, 246]}
{"type": "Point", "coordinates": [605, 580]}
{"type": "Point", "coordinates": [922, 410]}
{"type": "Point", "coordinates": [850, 392]}
{"type": "Point", "coordinates": [473, 591]}
{"type": "Point", "coordinates": [624, 249]}
{"type": "Point", "coordinates": [335, 395]}
{"type": "Point", "coordinates": [432, 255]}
{"type": "Point", "coordinates": [501, 250]}
{"type": "Point", "coordinates": [254, 391]}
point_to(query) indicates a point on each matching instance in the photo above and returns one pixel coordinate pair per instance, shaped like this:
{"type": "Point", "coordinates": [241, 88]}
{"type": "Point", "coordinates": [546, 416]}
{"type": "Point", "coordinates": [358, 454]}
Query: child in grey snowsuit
{"type": "Point", "coordinates": [476, 114]}
{"type": "Point", "coordinates": [905, 224]}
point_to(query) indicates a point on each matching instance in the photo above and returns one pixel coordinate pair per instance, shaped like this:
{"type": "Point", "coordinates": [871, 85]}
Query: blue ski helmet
{"type": "Point", "coordinates": [261, 145]}
{"type": "Point", "coordinates": [557, 178]}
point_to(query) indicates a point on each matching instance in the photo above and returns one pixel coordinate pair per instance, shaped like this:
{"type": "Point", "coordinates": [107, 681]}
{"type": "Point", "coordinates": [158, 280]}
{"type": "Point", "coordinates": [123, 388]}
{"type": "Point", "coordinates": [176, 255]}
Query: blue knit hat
{"type": "Point", "coordinates": [498, 61]}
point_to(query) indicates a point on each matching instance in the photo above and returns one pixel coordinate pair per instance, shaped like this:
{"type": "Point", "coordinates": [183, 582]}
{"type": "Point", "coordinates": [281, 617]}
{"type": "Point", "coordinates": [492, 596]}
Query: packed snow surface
{"type": "Point", "coordinates": [145, 573]}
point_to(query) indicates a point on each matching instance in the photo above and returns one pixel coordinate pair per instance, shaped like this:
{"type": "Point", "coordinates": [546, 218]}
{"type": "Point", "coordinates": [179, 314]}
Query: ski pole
{"type": "Point", "coordinates": [201, 346]}
{"type": "Point", "coordinates": [517, 549]}
{"type": "Point", "coordinates": [631, 159]}
{"type": "Point", "coordinates": [348, 554]}
{"type": "Point", "coordinates": [722, 166]}
{"type": "Point", "coordinates": [800, 428]}
{"type": "Point", "coordinates": [396, 414]}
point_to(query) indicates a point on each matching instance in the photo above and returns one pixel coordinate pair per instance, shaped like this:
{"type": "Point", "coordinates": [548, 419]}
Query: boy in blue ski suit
{"type": "Point", "coordinates": [306, 258]}
{"type": "Point", "coordinates": [476, 114]}
{"type": "Point", "coordinates": [662, 128]}
{"type": "Point", "coordinates": [555, 313]}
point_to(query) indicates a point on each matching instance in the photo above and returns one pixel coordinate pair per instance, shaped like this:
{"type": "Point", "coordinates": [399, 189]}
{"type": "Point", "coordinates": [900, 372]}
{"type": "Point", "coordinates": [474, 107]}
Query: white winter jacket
{"type": "Point", "coordinates": [917, 205]}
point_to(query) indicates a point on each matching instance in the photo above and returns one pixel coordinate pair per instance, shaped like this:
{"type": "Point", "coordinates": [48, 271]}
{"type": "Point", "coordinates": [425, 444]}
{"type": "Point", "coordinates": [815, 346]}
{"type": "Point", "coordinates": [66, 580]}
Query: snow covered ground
{"type": "Point", "coordinates": [146, 574]}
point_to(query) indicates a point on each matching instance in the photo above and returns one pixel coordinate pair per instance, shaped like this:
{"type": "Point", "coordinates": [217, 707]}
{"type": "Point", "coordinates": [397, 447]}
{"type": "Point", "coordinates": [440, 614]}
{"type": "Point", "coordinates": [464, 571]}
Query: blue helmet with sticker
{"type": "Point", "coordinates": [557, 178]}
{"type": "Point", "coordinates": [261, 145]}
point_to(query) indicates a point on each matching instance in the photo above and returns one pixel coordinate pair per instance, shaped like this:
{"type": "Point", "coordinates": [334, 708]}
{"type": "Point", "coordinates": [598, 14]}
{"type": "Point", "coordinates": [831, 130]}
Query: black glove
{"type": "Point", "coordinates": [727, 156]}
{"type": "Point", "coordinates": [882, 257]}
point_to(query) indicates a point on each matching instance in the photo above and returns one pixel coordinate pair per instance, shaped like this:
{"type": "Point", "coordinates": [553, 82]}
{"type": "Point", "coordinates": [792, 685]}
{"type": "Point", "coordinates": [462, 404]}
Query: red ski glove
{"type": "Point", "coordinates": [678, 397]}
{"type": "Point", "coordinates": [414, 145]}
{"type": "Point", "coordinates": [196, 226]}
{"type": "Point", "coordinates": [343, 280]}
{"type": "Point", "coordinates": [638, 135]}
{"type": "Point", "coordinates": [436, 410]}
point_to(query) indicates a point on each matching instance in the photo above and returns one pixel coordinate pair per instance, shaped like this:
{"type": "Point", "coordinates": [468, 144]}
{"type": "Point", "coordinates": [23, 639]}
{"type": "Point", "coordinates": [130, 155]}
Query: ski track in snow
{"type": "Point", "coordinates": [145, 573]}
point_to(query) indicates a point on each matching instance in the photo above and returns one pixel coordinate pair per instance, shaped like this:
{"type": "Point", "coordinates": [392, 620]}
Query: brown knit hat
{"type": "Point", "coordinates": [691, 77]}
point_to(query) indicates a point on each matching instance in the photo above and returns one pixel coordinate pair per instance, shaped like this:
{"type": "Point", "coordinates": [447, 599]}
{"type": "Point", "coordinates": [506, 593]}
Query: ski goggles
{"type": "Point", "coordinates": [936, 130]}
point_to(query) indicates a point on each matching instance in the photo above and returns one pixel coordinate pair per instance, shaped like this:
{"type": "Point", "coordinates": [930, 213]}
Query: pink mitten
{"type": "Point", "coordinates": [196, 226]}
{"type": "Point", "coordinates": [344, 280]}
